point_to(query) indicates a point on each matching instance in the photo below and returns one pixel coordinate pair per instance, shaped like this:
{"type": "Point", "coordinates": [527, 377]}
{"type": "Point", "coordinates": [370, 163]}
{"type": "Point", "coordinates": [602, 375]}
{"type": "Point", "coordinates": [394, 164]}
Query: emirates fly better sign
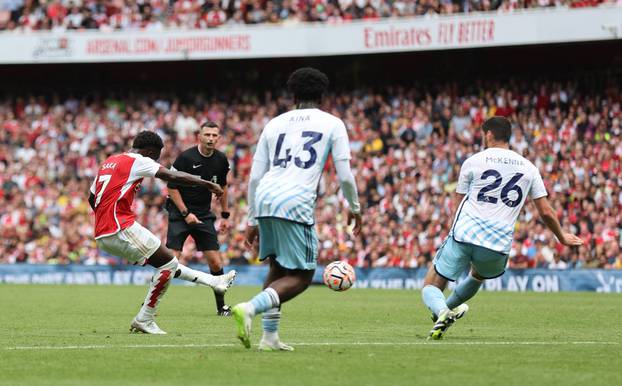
{"type": "Point", "coordinates": [360, 37]}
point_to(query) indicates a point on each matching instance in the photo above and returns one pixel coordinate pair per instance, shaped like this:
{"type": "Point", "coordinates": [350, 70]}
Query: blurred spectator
{"type": "Point", "coordinates": [557, 263]}
{"type": "Point", "coordinates": [407, 144]}
{"type": "Point", "coordinates": [191, 14]}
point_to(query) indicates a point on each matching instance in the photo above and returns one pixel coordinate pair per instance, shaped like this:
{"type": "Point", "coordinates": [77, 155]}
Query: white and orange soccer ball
{"type": "Point", "coordinates": [339, 276]}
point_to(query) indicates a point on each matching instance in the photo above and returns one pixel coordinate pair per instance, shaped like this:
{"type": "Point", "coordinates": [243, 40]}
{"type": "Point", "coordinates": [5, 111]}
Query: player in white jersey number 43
{"type": "Point", "coordinates": [287, 167]}
{"type": "Point", "coordinates": [492, 189]}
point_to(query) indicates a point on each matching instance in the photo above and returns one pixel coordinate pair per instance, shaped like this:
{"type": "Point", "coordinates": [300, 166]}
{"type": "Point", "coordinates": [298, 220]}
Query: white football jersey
{"type": "Point", "coordinates": [497, 183]}
{"type": "Point", "coordinates": [296, 145]}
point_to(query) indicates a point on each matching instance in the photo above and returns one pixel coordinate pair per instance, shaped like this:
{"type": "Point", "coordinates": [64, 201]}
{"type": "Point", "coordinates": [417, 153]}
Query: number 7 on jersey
{"type": "Point", "coordinates": [104, 179]}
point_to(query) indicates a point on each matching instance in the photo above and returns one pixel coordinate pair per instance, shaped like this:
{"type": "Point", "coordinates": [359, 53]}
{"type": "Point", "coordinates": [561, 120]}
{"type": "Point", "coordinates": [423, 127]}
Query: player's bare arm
{"type": "Point", "coordinates": [358, 222]}
{"type": "Point", "coordinates": [251, 239]}
{"type": "Point", "coordinates": [187, 179]}
{"type": "Point", "coordinates": [550, 219]}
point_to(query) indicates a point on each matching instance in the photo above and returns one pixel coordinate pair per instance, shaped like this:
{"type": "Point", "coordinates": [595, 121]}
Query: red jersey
{"type": "Point", "coordinates": [117, 181]}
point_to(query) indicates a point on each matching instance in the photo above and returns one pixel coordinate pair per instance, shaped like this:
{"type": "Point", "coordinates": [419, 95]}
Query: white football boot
{"type": "Point", "coordinates": [461, 310]}
{"type": "Point", "coordinates": [266, 345]}
{"type": "Point", "coordinates": [147, 327]}
{"type": "Point", "coordinates": [223, 282]}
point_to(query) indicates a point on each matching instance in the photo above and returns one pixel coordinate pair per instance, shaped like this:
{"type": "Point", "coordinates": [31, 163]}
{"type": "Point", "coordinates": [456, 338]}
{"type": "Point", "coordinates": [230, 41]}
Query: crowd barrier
{"type": "Point", "coordinates": [538, 280]}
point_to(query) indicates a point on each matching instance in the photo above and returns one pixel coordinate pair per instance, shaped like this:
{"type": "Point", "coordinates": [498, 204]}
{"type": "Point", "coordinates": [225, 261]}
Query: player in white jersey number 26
{"type": "Point", "coordinates": [287, 167]}
{"type": "Point", "coordinates": [492, 189]}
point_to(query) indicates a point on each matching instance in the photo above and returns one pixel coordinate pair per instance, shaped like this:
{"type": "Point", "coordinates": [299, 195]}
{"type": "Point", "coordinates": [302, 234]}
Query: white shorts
{"type": "Point", "coordinates": [135, 244]}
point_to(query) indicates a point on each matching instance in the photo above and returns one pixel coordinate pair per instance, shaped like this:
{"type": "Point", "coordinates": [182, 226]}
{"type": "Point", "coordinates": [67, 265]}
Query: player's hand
{"type": "Point", "coordinates": [192, 219]}
{"type": "Point", "coordinates": [252, 234]}
{"type": "Point", "coordinates": [571, 240]}
{"type": "Point", "coordinates": [358, 222]}
{"type": "Point", "coordinates": [215, 188]}
{"type": "Point", "coordinates": [224, 226]}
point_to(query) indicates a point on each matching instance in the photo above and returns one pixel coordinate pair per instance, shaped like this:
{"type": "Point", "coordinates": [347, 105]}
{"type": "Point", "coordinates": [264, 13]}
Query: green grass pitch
{"type": "Point", "coordinates": [78, 335]}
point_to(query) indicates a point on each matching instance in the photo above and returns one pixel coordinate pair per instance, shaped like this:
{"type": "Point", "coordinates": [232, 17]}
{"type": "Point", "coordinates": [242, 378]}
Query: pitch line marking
{"type": "Point", "coordinates": [217, 345]}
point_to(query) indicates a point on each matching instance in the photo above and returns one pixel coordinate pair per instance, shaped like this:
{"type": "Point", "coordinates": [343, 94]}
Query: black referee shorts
{"type": "Point", "coordinates": [204, 235]}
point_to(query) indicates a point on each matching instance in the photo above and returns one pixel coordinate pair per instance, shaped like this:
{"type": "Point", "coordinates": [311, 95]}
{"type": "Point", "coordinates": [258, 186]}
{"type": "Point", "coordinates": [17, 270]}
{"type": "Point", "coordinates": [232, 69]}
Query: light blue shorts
{"type": "Point", "coordinates": [294, 245]}
{"type": "Point", "coordinates": [454, 258]}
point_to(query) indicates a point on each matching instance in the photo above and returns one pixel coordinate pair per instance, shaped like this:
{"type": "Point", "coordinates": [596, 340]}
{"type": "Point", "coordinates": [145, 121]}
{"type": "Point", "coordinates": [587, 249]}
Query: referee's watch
{"type": "Point", "coordinates": [185, 213]}
{"type": "Point", "coordinates": [225, 215]}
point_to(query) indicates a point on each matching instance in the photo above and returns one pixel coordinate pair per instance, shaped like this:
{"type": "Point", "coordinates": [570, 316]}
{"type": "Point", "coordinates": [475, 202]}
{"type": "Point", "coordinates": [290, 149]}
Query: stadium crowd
{"type": "Point", "coordinates": [407, 144]}
{"type": "Point", "coordinates": [61, 15]}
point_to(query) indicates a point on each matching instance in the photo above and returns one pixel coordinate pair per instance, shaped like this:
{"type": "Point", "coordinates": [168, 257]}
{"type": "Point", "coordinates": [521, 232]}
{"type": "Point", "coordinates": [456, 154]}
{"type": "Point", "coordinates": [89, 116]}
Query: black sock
{"type": "Point", "coordinates": [220, 298]}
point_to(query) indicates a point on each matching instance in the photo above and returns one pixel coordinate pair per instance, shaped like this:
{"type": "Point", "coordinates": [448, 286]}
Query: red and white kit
{"type": "Point", "coordinates": [114, 187]}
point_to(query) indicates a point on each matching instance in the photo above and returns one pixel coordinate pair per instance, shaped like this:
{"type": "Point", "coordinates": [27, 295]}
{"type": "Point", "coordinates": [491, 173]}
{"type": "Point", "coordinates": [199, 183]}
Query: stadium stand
{"type": "Point", "coordinates": [407, 142]}
{"type": "Point", "coordinates": [107, 15]}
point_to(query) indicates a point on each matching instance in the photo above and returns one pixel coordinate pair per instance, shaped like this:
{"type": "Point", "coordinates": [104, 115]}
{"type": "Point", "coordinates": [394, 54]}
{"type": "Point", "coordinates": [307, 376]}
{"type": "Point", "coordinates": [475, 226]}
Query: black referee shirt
{"type": "Point", "coordinates": [213, 168]}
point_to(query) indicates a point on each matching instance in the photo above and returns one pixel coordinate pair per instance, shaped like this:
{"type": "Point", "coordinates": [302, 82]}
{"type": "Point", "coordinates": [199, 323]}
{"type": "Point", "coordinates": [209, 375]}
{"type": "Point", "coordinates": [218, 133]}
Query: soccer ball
{"type": "Point", "coordinates": [339, 276]}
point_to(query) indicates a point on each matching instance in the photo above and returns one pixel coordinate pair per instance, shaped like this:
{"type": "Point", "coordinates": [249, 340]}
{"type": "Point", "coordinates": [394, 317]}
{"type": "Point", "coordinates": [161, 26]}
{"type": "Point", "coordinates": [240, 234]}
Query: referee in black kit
{"type": "Point", "coordinates": [189, 208]}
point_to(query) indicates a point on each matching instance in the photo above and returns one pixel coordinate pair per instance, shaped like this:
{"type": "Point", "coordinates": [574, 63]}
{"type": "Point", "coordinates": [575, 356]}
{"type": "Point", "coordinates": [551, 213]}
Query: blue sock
{"type": "Point", "coordinates": [433, 298]}
{"type": "Point", "coordinates": [270, 320]}
{"type": "Point", "coordinates": [464, 291]}
{"type": "Point", "coordinates": [265, 300]}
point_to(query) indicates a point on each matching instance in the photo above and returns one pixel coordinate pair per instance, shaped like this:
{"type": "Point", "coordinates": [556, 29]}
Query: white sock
{"type": "Point", "coordinates": [270, 337]}
{"type": "Point", "coordinates": [194, 276]}
{"type": "Point", "coordinates": [157, 288]}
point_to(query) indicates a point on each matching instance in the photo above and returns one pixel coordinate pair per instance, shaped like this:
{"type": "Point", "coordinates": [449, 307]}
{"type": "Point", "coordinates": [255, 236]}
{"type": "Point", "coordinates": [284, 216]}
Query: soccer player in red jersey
{"type": "Point", "coordinates": [118, 233]}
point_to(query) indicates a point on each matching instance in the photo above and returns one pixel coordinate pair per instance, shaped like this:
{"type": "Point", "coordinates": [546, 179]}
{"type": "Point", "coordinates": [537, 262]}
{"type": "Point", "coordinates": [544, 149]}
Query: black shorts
{"type": "Point", "coordinates": [204, 235]}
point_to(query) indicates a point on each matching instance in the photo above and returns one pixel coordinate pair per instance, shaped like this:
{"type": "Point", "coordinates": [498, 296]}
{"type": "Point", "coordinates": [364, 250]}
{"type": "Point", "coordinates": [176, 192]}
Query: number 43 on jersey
{"type": "Point", "coordinates": [314, 137]}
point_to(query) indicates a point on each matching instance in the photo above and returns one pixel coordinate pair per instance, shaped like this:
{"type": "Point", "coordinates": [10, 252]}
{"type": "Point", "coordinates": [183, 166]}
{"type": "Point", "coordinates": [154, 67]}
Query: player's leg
{"type": "Point", "coordinates": [219, 283]}
{"type": "Point", "coordinates": [450, 262]}
{"type": "Point", "coordinates": [486, 264]}
{"type": "Point", "coordinates": [432, 292]}
{"type": "Point", "coordinates": [271, 319]}
{"type": "Point", "coordinates": [139, 246]}
{"type": "Point", "coordinates": [178, 232]}
{"type": "Point", "coordinates": [293, 248]}
{"type": "Point", "coordinates": [242, 313]}
{"type": "Point", "coordinates": [464, 291]}
{"type": "Point", "coordinates": [287, 284]}
{"type": "Point", "coordinates": [446, 266]}
{"type": "Point", "coordinates": [165, 264]}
